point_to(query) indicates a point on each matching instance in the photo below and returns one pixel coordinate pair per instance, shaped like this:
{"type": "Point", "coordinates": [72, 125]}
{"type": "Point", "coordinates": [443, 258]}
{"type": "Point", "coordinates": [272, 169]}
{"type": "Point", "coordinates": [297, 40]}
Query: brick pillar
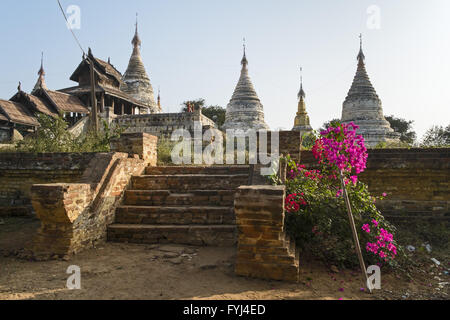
{"type": "Point", "coordinates": [264, 250]}
{"type": "Point", "coordinates": [142, 144]}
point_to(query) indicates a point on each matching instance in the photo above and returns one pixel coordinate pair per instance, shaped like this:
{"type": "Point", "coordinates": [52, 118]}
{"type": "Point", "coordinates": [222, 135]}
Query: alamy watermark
{"type": "Point", "coordinates": [374, 17]}
{"type": "Point", "coordinates": [73, 17]}
{"type": "Point", "coordinates": [74, 280]}
{"type": "Point", "coordinates": [241, 147]}
{"type": "Point", "coordinates": [374, 279]}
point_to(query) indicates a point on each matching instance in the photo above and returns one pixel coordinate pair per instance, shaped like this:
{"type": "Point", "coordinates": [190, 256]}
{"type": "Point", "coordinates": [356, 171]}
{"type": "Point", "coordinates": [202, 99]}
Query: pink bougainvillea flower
{"type": "Point", "coordinates": [366, 228]}
{"type": "Point", "coordinates": [384, 194]}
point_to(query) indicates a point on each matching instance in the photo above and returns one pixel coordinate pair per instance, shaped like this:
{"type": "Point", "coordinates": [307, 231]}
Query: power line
{"type": "Point", "coordinates": [71, 30]}
{"type": "Point", "coordinates": [94, 111]}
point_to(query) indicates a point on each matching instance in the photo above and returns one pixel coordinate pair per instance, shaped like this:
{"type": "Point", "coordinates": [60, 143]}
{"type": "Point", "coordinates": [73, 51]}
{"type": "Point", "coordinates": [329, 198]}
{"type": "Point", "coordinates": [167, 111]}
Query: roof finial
{"type": "Point", "coordinates": [159, 97]}
{"type": "Point", "coordinates": [136, 40]}
{"type": "Point", "coordinates": [361, 55]}
{"type": "Point", "coordinates": [40, 84]}
{"type": "Point", "coordinates": [244, 61]}
{"type": "Point", "coordinates": [301, 93]}
{"type": "Point", "coordinates": [41, 71]}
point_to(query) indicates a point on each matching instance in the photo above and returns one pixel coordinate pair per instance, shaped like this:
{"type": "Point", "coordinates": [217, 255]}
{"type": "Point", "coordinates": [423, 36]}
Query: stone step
{"type": "Point", "coordinates": [290, 244]}
{"type": "Point", "coordinates": [274, 251]}
{"type": "Point", "coordinates": [197, 235]}
{"type": "Point", "coordinates": [274, 271]}
{"type": "Point", "coordinates": [176, 170]}
{"type": "Point", "coordinates": [267, 258]}
{"type": "Point", "coordinates": [189, 182]}
{"type": "Point", "coordinates": [191, 198]}
{"type": "Point", "coordinates": [175, 215]}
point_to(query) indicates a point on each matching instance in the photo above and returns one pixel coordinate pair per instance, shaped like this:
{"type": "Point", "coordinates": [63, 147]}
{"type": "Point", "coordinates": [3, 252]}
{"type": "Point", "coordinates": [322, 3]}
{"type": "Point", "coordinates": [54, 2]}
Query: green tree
{"type": "Point", "coordinates": [437, 136]}
{"type": "Point", "coordinates": [404, 127]}
{"type": "Point", "coordinates": [53, 136]}
{"type": "Point", "coordinates": [328, 124]}
{"type": "Point", "coordinates": [215, 113]}
{"type": "Point", "coordinates": [199, 103]}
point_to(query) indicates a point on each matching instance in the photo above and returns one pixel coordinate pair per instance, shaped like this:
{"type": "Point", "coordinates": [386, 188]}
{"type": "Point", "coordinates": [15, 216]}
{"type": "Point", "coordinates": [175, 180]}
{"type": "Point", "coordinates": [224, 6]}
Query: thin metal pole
{"type": "Point", "coordinates": [94, 117]}
{"type": "Point", "coordinates": [355, 234]}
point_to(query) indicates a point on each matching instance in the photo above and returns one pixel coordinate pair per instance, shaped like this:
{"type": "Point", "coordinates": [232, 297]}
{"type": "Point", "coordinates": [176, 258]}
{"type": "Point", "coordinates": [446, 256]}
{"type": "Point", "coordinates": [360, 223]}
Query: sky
{"type": "Point", "coordinates": [193, 48]}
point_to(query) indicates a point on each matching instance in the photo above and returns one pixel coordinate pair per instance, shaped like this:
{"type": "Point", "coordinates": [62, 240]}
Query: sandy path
{"type": "Point", "coordinates": [126, 271]}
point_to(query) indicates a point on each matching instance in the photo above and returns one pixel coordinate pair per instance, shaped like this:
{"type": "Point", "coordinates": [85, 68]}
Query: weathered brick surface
{"type": "Point", "coordinates": [200, 235]}
{"type": "Point", "coordinates": [75, 216]}
{"type": "Point", "coordinates": [142, 144]}
{"type": "Point", "coordinates": [175, 215]}
{"type": "Point", "coordinates": [416, 181]}
{"type": "Point", "coordinates": [215, 170]}
{"type": "Point", "coordinates": [289, 142]}
{"type": "Point", "coordinates": [187, 198]}
{"type": "Point", "coordinates": [185, 205]}
{"type": "Point", "coordinates": [189, 182]}
{"type": "Point", "coordinates": [19, 171]}
{"type": "Point", "coordinates": [264, 250]}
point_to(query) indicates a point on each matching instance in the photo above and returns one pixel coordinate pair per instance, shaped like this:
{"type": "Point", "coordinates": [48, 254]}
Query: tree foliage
{"type": "Point", "coordinates": [53, 136]}
{"type": "Point", "coordinates": [437, 136]}
{"type": "Point", "coordinates": [329, 124]}
{"type": "Point", "coordinates": [215, 113]}
{"type": "Point", "coordinates": [404, 127]}
{"type": "Point", "coordinates": [199, 103]}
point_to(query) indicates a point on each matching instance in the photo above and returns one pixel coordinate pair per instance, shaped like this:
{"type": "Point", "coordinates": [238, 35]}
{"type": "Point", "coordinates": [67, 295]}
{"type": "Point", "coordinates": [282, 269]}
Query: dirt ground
{"type": "Point", "coordinates": [126, 271]}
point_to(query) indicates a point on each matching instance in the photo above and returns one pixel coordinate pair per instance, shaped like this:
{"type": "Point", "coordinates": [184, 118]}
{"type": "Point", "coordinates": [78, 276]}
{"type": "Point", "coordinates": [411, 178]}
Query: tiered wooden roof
{"type": "Point", "coordinates": [34, 104]}
{"type": "Point", "coordinates": [16, 113]}
{"type": "Point", "coordinates": [66, 102]}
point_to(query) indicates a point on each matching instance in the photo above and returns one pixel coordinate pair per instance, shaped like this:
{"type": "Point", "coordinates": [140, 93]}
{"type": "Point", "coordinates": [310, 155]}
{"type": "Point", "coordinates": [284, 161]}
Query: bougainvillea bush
{"type": "Point", "coordinates": [316, 213]}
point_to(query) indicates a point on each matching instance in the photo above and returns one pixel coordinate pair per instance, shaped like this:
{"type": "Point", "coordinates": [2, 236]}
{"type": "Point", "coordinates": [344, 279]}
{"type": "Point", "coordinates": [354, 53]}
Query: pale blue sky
{"type": "Point", "coordinates": [192, 49]}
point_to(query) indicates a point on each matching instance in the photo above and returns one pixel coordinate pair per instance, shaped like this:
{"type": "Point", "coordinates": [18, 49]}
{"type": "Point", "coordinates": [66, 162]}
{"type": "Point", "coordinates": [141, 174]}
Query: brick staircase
{"type": "Point", "coordinates": [182, 205]}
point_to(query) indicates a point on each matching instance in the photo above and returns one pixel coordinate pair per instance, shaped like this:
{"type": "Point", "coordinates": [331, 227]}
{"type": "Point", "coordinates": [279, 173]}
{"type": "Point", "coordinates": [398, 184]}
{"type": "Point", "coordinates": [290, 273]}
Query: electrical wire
{"type": "Point", "coordinates": [71, 30]}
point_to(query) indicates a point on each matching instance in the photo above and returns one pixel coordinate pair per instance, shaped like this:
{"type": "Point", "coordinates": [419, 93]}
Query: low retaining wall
{"type": "Point", "coordinates": [75, 216]}
{"type": "Point", "coordinates": [19, 171]}
{"type": "Point", "coordinates": [264, 250]}
{"type": "Point", "coordinates": [163, 124]}
{"type": "Point", "coordinates": [416, 181]}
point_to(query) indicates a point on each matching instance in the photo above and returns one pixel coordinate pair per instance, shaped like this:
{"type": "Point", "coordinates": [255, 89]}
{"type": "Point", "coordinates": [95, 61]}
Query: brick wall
{"type": "Point", "coordinates": [143, 145]}
{"type": "Point", "coordinates": [19, 171]}
{"type": "Point", "coordinates": [75, 216]}
{"type": "Point", "coordinates": [162, 124]}
{"type": "Point", "coordinates": [416, 181]}
{"type": "Point", "coordinates": [264, 250]}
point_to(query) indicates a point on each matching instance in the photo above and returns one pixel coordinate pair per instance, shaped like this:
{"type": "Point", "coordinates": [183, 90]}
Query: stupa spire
{"type": "Point", "coordinates": [40, 84]}
{"type": "Point", "coordinates": [361, 56]}
{"type": "Point", "coordinates": [159, 98]}
{"type": "Point", "coordinates": [245, 110]}
{"type": "Point", "coordinates": [302, 122]}
{"type": "Point", "coordinates": [136, 42]}
{"type": "Point", "coordinates": [301, 93]}
{"type": "Point", "coordinates": [363, 107]}
{"type": "Point", "coordinates": [244, 61]}
{"type": "Point", "coordinates": [136, 80]}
